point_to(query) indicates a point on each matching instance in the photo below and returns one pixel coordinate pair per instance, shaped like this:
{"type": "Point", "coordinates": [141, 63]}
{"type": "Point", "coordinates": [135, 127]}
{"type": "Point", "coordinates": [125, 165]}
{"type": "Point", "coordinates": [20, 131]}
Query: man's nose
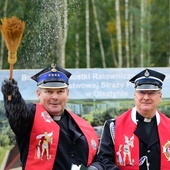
{"type": "Point", "coordinates": [146, 95]}
{"type": "Point", "coordinates": [55, 95]}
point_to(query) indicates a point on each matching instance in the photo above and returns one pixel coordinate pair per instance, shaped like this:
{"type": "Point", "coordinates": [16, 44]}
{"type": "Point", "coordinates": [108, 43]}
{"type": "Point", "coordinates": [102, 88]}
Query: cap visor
{"type": "Point", "coordinates": [53, 85]}
{"type": "Point", "coordinates": [147, 87]}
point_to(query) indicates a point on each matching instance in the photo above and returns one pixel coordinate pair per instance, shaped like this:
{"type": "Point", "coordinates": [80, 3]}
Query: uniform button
{"type": "Point", "coordinates": [148, 151]}
{"type": "Point", "coordinates": [72, 155]}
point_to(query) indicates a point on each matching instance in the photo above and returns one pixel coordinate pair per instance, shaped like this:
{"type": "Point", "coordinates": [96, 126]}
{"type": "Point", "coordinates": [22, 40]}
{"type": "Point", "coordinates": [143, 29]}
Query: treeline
{"type": "Point", "coordinates": [90, 34]}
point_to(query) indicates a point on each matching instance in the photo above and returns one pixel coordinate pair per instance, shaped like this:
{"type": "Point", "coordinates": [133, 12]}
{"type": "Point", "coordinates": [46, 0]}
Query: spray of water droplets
{"type": "Point", "coordinates": [42, 43]}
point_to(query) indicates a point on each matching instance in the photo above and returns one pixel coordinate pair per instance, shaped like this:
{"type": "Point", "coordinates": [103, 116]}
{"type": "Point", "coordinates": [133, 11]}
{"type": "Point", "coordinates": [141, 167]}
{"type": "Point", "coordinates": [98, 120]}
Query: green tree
{"type": "Point", "coordinates": [4, 140]}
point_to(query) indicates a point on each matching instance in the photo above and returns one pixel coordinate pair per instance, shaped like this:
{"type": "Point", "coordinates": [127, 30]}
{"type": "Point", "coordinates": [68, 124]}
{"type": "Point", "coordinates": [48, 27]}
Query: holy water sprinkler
{"type": "Point", "coordinates": [12, 30]}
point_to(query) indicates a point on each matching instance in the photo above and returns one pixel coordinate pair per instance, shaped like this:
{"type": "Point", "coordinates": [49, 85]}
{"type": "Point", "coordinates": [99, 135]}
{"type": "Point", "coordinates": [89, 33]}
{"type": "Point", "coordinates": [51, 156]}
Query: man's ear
{"type": "Point", "coordinates": [38, 92]}
{"type": "Point", "coordinates": [68, 92]}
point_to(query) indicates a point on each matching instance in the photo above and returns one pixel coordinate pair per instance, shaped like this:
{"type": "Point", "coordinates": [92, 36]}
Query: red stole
{"type": "Point", "coordinates": [127, 143]}
{"type": "Point", "coordinates": [164, 135]}
{"type": "Point", "coordinates": [90, 135]}
{"type": "Point", "coordinates": [44, 140]}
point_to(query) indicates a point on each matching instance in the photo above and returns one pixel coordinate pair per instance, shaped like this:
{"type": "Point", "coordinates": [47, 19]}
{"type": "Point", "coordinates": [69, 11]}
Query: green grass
{"type": "Point", "coordinates": [3, 151]}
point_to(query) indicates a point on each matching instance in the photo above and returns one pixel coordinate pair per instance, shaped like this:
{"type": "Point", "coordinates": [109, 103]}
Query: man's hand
{"type": "Point", "coordinates": [9, 87]}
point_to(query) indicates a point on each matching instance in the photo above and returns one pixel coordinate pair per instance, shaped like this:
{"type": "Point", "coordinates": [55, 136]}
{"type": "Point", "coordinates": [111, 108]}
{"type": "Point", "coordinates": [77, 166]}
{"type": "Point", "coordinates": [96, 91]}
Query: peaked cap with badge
{"type": "Point", "coordinates": [148, 80]}
{"type": "Point", "coordinates": [52, 77]}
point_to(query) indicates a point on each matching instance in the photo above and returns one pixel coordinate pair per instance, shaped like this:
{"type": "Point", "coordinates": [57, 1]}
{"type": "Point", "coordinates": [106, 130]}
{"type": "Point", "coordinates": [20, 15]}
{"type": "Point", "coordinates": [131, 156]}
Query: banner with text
{"type": "Point", "coordinates": [109, 83]}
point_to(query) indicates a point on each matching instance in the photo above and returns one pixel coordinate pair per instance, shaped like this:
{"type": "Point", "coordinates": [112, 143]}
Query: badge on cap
{"type": "Point", "coordinates": [53, 67]}
{"type": "Point", "coordinates": [146, 73]}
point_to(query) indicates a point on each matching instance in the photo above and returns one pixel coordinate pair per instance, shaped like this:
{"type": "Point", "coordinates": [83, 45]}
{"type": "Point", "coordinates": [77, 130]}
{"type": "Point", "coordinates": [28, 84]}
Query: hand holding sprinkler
{"type": "Point", "coordinates": [12, 30]}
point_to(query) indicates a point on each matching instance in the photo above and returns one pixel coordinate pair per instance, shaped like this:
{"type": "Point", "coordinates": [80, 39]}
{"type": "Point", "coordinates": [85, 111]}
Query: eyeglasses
{"type": "Point", "coordinates": [149, 93]}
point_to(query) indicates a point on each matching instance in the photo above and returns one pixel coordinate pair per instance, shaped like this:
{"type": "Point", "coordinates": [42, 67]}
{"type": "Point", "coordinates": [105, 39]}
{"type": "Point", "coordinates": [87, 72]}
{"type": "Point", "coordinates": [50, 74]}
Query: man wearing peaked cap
{"type": "Point", "coordinates": [148, 80]}
{"type": "Point", "coordinates": [48, 135]}
{"type": "Point", "coordinates": [52, 77]}
{"type": "Point", "coordinates": [139, 138]}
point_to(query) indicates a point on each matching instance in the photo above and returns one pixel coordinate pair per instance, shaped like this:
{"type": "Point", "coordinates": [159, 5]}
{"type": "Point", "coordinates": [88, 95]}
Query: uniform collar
{"type": "Point", "coordinates": [57, 118]}
{"type": "Point", "coordinates": [143, 119]}
{"type": "Point", "coordinates": [134, 112]}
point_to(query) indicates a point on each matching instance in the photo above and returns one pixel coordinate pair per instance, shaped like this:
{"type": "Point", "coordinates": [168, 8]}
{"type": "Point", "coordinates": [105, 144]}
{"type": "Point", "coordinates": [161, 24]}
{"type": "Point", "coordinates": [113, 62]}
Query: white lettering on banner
{"type": "Point", "coordinates": [110, 94]}
{"type": "Point", "coordinates": [25, 77]}
{"type": "Point", "coordinates": [83, 76]}
{"type": "Point", "coordinates": [84, 85]}
{"type": "Point", "coordinates": [89, 83]}
{"type": "Point", "coordinates": [88, 95]}
{"type": "Point", "coordinates": [112, 85]}
{"type": "Point", "coordinates": [103, 76]}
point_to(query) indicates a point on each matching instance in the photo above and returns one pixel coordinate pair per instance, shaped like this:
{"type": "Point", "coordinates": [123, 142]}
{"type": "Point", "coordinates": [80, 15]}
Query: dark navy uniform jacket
{"type": "Point", "coordinates": [149, 146]}
{"type": "Point", "coordinates": [74, 151]}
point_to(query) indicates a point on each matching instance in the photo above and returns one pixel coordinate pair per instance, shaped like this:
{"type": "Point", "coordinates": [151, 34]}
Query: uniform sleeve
{"type": "Point", "coordinates": [105, 157]}
{"type": "Point", "coordinates": [19, 113]}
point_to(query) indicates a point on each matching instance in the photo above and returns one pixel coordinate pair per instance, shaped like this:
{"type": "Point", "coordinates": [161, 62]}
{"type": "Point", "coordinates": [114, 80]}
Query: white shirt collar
{"type": "Point", "coordinates": [56, 118]}
{"type": "Point", "coordinates": [133, 116]}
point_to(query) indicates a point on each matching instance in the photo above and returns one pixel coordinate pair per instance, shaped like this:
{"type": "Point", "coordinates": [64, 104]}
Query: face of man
{"type": "Point", "coordinates": [147, 102]}
{"type": "Point", "coordinates": [53, 100]}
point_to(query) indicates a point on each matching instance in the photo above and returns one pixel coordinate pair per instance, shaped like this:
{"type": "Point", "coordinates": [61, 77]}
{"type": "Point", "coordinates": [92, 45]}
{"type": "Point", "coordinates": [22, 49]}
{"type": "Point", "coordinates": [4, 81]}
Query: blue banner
{"type": "Point", "coordinates": [109, 83]}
